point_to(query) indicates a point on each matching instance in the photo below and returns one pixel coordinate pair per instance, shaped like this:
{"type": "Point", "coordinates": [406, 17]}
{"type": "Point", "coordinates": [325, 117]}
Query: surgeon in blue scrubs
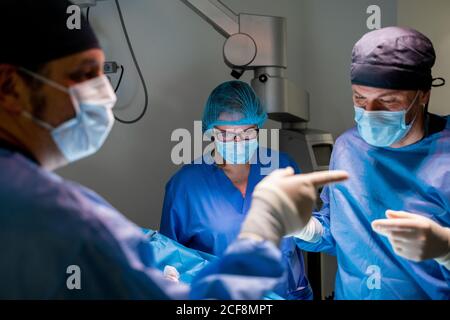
{"type": "Point", "coordinates": [389, 224]}
{"type": "Point", "coordinates": [60, 240]}
{"type": "Point", "coordinates": [207, 201]}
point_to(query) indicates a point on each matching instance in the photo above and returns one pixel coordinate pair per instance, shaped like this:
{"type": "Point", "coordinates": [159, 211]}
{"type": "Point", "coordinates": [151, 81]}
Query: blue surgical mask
{"type": "Point", "coordinates": [84, 134]}
{"type": "Point", "coordinates": [383, 128]}
{"type": "Point", "coordinates": [237, 152]}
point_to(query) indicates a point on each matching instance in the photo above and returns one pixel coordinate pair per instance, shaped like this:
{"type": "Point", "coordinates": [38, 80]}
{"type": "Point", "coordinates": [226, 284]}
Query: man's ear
{"type": "Point", "coordinates": [425, 97]}
{"type": "Point", "coordinates": [9, 93]}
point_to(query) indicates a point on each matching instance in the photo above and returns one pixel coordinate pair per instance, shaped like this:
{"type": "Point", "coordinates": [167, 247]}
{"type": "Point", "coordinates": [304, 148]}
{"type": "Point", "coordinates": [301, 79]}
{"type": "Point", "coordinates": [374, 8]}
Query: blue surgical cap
{"type": "Point", "coordinates": [233, 103]}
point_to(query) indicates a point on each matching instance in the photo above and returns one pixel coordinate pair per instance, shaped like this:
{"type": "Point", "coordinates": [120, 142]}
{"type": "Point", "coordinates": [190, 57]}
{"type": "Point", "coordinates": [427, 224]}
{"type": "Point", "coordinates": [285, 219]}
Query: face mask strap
{"type": "Point", "coordinates": [410, 107]}
{"type": "Point", "coordinates": [414, 101]}
{"type": "Point", "coordinates": [44, 79]}
{"type": "Point", "coordinates": [43, 124]}
{"type": "Point", "coordinates": [50, 83]}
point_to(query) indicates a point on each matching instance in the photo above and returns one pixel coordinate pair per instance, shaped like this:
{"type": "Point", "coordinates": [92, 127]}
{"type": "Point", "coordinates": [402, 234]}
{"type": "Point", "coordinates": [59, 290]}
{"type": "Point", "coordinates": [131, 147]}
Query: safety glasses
{"type": "Point", "coordinates": [231, 135]}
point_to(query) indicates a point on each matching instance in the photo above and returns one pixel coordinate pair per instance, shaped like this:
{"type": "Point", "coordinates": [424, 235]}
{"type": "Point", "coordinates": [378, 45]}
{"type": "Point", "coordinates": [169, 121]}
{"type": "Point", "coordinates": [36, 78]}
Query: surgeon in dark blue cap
{"type": "Point", "coordinates": [60, 240]}
{"type": "Point", "coordinates": [389, 224]}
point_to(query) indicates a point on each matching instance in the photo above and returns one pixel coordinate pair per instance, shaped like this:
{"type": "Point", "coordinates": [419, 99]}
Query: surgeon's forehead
{"type": "Point", "coordinates": [379, 92]}
{"type": "Point", "coordinates": [88, 58]}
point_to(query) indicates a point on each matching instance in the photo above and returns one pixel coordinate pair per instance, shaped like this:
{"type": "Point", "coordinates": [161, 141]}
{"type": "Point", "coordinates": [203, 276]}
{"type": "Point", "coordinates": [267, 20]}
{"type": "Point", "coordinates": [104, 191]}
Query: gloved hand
{"type": "Point", "coordinates": [414, 237]}
{"type": "Point", "coordinates": [171, 273]}
{"type": "Point", "coordinates": [283, 202]}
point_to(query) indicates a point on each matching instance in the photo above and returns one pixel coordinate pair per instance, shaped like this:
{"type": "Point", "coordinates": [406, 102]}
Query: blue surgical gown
{"type": "Point", "coordinates": [203, 210]}
{"type": "Point", "coordinates": [48, 224]}
{"type": "Point", "coordinates": [415, 179]}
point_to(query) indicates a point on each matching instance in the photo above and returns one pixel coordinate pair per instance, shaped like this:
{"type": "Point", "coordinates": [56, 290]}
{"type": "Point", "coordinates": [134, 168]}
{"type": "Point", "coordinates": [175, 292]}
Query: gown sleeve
{"type": "Point", "coordinates": [326, 243]}
{"type": "Point", "coordinates": [117, 262]}
{"type": "Point", "coordinates": [171, 219]}
{"type": "Point", "coordinates": [247, 271]}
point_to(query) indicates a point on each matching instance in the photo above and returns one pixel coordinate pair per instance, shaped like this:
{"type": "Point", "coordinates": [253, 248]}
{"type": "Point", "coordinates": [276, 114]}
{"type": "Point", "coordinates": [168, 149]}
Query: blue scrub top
{"type": "Point", "coordinates": [48, 224]}
{"type": "Point", "coordinates": [415, 179]}
{"type": "Point", "coordinates": [203, 210]}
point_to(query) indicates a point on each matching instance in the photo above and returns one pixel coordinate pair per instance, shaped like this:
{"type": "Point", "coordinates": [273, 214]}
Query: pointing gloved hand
{"type": "Point", "coordinates": [283, 202]}
{"type": "Point", "coordinates": [415, 237]}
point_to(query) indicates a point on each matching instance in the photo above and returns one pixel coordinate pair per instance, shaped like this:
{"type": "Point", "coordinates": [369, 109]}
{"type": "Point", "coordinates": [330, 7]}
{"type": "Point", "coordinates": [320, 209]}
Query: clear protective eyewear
{"type": "Point", "coordinates": [228, 135]}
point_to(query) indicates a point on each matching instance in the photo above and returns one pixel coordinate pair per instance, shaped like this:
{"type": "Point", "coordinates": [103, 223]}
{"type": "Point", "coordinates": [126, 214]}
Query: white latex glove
{"type": "Point", "coordinates": [414, 237]}
{"type": "Point", "coordinates": [171, 273]}
{"type": "Point", "coordinates": [283, 202]}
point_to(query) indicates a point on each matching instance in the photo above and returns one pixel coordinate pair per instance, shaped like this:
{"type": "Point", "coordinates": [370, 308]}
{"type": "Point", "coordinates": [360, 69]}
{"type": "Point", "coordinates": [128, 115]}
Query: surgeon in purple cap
{"type": "Point", "coordinates": [389, 224]}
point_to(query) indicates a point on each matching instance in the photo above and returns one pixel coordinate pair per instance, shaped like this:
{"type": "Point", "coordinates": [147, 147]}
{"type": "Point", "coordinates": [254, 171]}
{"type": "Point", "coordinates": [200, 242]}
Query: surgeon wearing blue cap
{"type": "Point", "coordinates": [207, 201]}
{"type": "Point", "coordinates": [60, 240]}
{"type": "Point", "coordinates": [389, 224]}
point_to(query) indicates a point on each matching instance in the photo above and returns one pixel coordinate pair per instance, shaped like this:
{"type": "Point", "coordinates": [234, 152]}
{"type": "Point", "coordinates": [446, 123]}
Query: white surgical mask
{"type": "Point", "coordinates": [84, 134]}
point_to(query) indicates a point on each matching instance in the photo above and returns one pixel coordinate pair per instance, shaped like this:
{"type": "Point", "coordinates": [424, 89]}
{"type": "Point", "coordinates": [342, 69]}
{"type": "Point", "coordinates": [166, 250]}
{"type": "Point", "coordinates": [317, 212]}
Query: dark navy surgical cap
{"type": "Point", "coordinates": [393, 58]}
{"type": "Point", "coordinates": [35, 32]}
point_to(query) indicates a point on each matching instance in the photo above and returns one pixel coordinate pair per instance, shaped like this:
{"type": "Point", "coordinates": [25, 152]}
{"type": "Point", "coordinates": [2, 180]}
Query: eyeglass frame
{"type": "Point", "coordinates": [217, 132]}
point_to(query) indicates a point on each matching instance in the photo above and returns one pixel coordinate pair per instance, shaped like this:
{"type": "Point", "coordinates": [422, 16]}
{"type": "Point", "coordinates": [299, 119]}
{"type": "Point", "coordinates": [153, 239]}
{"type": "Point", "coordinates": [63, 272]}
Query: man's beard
{"type": "Point", "coordinates": [38, 103]}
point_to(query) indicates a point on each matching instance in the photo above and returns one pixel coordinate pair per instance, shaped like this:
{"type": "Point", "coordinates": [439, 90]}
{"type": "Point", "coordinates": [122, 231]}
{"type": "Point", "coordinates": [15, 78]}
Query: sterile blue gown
{"type": "Point", "coordinates": [203, 210]}
{"type": "Point", "coordinates": [48, 224]}
{"type": "Point", "coordinates": [415, 179]}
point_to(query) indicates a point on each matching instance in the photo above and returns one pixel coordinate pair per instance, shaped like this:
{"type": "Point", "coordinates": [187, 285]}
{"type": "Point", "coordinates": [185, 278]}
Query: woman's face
{"type": "Point", "coordinates": [235, 132]}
